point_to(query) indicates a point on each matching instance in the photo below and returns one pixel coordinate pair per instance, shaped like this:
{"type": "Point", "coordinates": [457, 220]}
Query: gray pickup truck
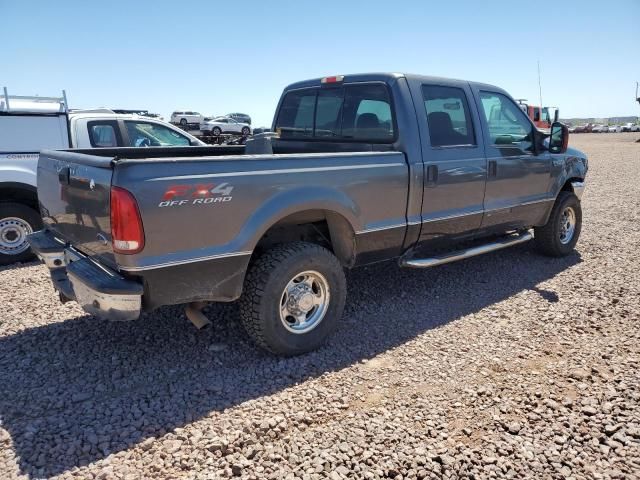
{"type": "Point", "coordinates": [358, 169]}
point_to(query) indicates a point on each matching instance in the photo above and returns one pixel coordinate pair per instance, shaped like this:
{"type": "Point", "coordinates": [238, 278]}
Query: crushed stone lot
{"type": "Point", "coordinates": [508, 365]}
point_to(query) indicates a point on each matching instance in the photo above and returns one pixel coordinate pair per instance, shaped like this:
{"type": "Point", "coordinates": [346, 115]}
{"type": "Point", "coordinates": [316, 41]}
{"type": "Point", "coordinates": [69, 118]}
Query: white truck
{"type": "Point", "coordinates": [30, 124]}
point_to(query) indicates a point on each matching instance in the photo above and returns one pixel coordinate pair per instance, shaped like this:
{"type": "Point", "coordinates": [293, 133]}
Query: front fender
{"type": "Point", "coordinates": [570, 166]}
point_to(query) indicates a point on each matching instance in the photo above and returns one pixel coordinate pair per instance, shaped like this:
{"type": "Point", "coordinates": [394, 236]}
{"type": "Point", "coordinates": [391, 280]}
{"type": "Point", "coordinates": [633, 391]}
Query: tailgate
{"type": "Point", "coordinates": [74, 195]}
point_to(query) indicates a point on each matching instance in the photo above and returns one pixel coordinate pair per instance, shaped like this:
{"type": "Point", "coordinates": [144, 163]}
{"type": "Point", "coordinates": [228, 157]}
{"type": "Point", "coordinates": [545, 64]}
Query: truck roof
{"type": "Point", "coordinates": [389, 77]}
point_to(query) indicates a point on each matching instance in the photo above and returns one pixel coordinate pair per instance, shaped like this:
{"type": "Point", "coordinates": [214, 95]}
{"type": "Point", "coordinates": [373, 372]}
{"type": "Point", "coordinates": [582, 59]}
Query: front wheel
{"type": "Point", "coordinates": [183, 122]}
{"type": "Point", "coordinates": [245, 131]}
{"type": "Point", "coordinates": [558, 237]}
{"type": "Point", "coordinates": [216, 131]}
{"type": "Point", "coordinates": [16, 222]}
{"type": "Point", "coordinates": [293, 298]}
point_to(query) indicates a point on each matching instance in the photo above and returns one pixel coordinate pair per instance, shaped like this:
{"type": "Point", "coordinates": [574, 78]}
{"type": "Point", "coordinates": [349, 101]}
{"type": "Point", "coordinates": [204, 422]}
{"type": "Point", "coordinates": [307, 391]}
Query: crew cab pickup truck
{"type": "Point", "coordinates": [358, 169]}
{"type": "Point", "coordinates": [30, 124]}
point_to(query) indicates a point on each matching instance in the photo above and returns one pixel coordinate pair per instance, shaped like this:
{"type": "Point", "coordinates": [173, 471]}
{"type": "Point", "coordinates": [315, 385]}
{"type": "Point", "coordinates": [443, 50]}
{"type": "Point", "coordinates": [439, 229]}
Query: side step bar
{"type": "Point", "coordinates": [509, 241]}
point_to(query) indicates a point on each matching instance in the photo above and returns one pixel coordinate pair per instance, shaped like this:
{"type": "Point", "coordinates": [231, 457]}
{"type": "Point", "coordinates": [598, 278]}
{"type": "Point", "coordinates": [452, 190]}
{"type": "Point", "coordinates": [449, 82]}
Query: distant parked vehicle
{"type": "Point", "coordinates": [240, 117]}
{"type": "Point", "coordinates": [221, 125]}
{"type": "Point", "coordinates": [615, 129]}
{"type": "Point", "coordinates": [186, 117]}
{"type": "Point", "coordinates": [586, 128]}
{"type": "Point", "coordinates": [600, 129]}
{"type": "Point", "coordinates": [630, 127]}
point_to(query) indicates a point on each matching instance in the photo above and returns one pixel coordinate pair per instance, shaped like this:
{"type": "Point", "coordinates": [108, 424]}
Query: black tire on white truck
{"type": "Point", "coordinates": [16, 222]}
{"type": "Point", "coordinates": [293, 298]}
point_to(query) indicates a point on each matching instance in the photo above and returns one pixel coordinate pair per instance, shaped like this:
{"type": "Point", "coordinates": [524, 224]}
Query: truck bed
{"type": "Point", "coordinates": [219, 204]}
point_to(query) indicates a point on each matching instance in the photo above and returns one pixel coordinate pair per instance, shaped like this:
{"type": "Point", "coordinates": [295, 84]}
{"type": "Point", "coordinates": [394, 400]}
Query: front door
{"type": "Point", "coordinates": [454, 160]}
{"type": "Point", "coordinates": [519, 178]}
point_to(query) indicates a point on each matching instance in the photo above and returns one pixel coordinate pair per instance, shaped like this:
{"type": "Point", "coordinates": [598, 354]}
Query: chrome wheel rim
{"type": "Point", "coordinates": [13, 235]}
{"type": "Point", "coordinates": [567, 225]}
{"type": "Point", "coordinates": [304, 302]}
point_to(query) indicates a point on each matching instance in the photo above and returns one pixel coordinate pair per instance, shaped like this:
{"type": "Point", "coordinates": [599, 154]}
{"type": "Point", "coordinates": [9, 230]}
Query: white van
{"type": "Point", "coordinates": [186, 117]}
{"type": "Point", "coordinates": [31, 124]}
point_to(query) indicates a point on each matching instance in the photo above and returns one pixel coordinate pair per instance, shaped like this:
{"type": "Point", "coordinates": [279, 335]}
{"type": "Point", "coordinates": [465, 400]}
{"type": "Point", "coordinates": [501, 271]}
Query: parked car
{"type": "Point", "coordinates": [240, 117]}
{"type": "Point", "coordinates": [615, 128]}
{"type": "Point", "coordinates": [630, 127]}
{"type": "Point", "coordinates": [186, 117]}
{"type": "Point", "coordinates": [585, 128]}
{"type": "Point", "coordinates": [600, 129]}
{"type": "Point", "coordinates": [28, 126]}
{"type": "Point", "coordinates": [419, 170]}
{"type": "Point", "coordinates": [221, 125]}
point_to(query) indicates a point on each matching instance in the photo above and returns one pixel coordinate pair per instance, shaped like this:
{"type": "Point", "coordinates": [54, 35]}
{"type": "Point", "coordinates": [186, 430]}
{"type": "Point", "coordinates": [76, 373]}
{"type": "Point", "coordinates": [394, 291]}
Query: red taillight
{"type": "Point", "coordinates": [127, 234]}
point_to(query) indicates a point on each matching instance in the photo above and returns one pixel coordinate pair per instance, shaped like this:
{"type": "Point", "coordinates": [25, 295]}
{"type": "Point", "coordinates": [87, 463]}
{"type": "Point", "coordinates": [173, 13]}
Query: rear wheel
{"type": "Point", "coordinates": [245, 131]}
{"type": "Point", "coordinates": [16, 222]}
{"type": "Point", "coordinates": [293, 298]}
{"type": "Point", "coordinates": [560, 234]}
{"type": "Point", "coordinates": [183, 122]}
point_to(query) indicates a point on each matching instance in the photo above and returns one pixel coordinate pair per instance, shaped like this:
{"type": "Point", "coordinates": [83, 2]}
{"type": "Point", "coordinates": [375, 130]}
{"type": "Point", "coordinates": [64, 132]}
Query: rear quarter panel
{"type": "Point", "coordinates": [199, 209]}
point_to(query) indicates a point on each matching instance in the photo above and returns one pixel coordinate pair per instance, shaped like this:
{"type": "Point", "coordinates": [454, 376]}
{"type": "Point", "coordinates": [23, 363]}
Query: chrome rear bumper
{"type": "Point", "coordinates": [99, 290]}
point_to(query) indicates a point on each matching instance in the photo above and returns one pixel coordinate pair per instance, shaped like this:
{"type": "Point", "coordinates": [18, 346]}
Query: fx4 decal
{"type": "Point", "coordinates": [200, 194]}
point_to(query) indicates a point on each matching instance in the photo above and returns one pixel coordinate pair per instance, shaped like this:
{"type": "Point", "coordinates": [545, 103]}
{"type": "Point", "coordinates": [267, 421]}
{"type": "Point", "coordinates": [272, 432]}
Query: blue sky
{"type": "Point", "coordinates": [167, 55]}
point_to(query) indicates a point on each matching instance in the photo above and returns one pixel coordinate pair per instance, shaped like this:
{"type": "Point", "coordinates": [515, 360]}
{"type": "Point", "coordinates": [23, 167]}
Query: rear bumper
{"type": "Point", "coordinates": [99, 290]}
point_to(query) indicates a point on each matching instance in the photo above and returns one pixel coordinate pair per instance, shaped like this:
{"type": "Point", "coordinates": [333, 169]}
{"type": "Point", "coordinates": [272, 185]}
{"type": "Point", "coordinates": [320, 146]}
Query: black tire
{"type": "Point", "coordinates": [9, 228]}
{"type": "Point", "coordinates": [265, 285]}
{"type": "Point", "coordinates": [183, 122]}
{"type": "Point", "coordinates": [245, 131]}
{"type": "Point", "coordinates": [215, 131]}
{"type": "Point", "coordinates": [548, 237]}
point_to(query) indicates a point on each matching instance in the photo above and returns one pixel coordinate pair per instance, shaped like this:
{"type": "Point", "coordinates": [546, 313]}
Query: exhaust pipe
{"type": "Point", "coordinates": [193, 311]}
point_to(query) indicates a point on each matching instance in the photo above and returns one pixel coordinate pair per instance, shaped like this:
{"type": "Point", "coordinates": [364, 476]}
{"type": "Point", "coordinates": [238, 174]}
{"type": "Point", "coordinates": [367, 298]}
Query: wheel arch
{"type": "Point", "coordinates": [324, 227]}
{"type": "Point", "coordinates": [19, 193]}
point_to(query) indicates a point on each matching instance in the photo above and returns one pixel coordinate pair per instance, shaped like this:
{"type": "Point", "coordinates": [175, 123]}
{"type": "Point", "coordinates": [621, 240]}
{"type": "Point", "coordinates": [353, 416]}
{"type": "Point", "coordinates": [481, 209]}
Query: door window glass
{"type": "Point", "coordinates": [143, 134]}
{"type": "Point", "coordinates": [507, 124]}
{"type": "Point", "coordinates": [448, 116]}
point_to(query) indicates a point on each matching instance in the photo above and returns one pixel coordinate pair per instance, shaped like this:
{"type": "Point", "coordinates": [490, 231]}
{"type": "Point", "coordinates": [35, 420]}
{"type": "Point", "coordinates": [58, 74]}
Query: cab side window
{"type": "Point", "coordinates": [507, 124]}
{"type": "Point", "coordinates": [448, 116]}
{"type": "Point", "coordinates": [104, 134]}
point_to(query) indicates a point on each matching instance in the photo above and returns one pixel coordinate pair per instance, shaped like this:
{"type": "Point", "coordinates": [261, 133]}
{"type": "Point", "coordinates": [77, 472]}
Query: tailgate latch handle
{"type": "Point", "coordinates": [63, 175]}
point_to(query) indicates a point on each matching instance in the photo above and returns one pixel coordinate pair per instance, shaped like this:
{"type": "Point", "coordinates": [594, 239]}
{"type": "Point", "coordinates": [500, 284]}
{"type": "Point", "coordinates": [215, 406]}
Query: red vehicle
{"type": "Point", "coordinates": [542, 117]}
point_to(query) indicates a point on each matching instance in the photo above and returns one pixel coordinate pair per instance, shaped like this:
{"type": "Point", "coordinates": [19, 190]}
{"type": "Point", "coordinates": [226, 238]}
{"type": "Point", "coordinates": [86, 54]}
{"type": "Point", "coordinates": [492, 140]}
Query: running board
{"type": "Point", "coordinates": [509, 241]}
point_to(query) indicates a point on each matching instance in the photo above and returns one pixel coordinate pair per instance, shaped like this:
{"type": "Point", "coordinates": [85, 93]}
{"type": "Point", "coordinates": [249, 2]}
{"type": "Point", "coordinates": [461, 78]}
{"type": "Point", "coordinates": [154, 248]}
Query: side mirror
{"type": "Point", "coordinates": [556, 115]}
{"type": "Point", "coordinates": [559, 138]}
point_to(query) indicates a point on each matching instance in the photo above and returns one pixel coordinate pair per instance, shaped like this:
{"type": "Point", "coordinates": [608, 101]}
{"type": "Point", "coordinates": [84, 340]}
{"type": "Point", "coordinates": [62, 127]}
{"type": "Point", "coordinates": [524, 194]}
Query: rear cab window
{"type": "Point", "coordinates": [351, 112]}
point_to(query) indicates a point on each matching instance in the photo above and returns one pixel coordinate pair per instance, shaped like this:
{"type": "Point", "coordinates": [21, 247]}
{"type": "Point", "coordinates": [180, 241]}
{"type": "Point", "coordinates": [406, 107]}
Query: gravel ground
{"type": "Point", "coordinates": [510, 365]}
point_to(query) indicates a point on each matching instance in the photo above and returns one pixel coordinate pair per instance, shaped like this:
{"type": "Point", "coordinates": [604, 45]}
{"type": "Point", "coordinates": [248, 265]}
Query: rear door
{"type": "Point", "coordinates": [519, 178]}
{"type": "Point", "coordinates": [454, 160]}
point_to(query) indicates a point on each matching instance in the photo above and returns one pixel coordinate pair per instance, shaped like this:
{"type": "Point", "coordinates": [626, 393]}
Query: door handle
{"type": "Point", "coordinates": [432, 175]}
{"type": "Point", "coordinates": [493, 168]}
{"type": "Point", "coordinates": [63, 175]}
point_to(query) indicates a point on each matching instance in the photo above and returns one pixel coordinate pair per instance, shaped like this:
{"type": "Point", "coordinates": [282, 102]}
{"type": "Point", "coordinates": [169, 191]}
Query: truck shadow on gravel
{"type": "Point", "coordinates": [75, 391]}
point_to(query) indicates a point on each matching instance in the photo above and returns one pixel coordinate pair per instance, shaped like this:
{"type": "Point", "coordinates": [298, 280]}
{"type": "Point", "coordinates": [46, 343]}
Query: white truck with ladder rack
{"type": "Point", "coordinates": [29, 124]}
